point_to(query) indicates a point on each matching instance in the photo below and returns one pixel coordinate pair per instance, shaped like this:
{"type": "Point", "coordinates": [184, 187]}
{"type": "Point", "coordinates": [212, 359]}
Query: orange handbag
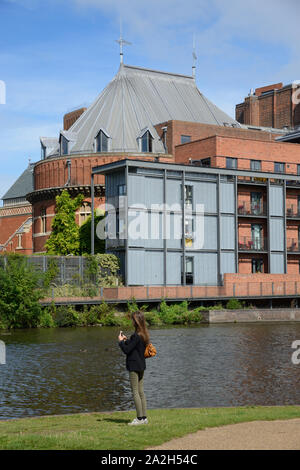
{"type": "Point", "coordinates": [150, 350]}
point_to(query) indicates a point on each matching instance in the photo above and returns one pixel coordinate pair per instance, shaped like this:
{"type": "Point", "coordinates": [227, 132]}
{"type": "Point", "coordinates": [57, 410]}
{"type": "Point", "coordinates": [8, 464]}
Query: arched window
{"type": "Point", "coordinates": [85, 212]}
{"type": "Point", "coordinates": [102, 142]}
{"type": "Point", "coordinates": [146, 142]}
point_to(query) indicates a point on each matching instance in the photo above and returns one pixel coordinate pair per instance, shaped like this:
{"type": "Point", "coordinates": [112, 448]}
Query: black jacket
{"type": "Point", "coordinates": [134, 348]}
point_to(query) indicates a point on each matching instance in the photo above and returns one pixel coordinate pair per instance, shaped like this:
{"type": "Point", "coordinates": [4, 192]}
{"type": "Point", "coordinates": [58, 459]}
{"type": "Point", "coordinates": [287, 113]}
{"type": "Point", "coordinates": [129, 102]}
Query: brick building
{"type": "Point", "coordinates": [125, 121]}
{"type": "Point", "coordinates": [274, 106]}
{"type": "Point", "coordinates": [16, 216]}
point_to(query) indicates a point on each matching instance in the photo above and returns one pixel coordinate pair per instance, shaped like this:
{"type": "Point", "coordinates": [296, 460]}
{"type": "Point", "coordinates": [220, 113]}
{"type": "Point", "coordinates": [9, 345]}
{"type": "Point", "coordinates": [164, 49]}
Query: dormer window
{"type": "Point", "coordinates": [43, 152]}
{"type": "Point", "coordinates": [102, 141]}
{"type": "Point", "coordinates": [64, 146]}
{"type": "Point", "coordinates": [146, 142]}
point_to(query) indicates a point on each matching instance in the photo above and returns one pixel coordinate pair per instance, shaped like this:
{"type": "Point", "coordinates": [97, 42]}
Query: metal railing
{"type": "Point", "coordinates": [293, 244]}
{"type": "Point", "coordinates": [293, 211]}
{"type": "Point", "coordinates": [252, 244]}
{"type": "Point", "coordinates": [252, 208]}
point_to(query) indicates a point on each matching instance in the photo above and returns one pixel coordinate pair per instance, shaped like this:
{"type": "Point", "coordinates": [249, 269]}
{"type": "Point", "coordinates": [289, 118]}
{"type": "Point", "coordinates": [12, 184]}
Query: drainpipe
{"type": "Point", "coordinates": [68, 163]}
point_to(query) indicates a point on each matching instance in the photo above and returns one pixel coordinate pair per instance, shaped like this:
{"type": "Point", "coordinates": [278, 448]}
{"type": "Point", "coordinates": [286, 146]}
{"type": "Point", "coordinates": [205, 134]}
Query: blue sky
{"type": "Point", "coordinates": [56, 55]}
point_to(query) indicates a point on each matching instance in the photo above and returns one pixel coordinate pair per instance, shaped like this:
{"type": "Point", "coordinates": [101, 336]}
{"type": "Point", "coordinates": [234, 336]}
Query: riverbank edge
{"type": "Point", "coordinates": [251, 315]}
{"type": "Point", "coordinates": [105, 430]}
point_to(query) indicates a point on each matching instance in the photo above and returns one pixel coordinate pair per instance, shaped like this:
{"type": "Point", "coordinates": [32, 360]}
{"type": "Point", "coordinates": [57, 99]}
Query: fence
{"type": "Point", "coordinates": [67, 269]}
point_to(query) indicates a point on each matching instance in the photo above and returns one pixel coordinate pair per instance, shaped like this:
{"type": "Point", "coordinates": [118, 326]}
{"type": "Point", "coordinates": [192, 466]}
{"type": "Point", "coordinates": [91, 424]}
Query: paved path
{"type": "Point", "coordinates": [256, 435]}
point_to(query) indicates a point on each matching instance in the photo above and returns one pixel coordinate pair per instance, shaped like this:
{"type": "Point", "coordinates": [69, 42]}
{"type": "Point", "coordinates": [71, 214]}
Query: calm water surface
{"type": "Point", "coordinates": [82, 369]}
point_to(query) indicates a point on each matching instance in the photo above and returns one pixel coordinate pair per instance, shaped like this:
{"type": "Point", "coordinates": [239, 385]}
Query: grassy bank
{"type": "Point", "coordinates": [109, 431]}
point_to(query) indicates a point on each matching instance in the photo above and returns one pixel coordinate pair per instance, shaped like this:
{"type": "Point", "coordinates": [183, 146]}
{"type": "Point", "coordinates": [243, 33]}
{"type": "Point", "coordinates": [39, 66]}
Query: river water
{"type": "Point", "coordinates": [73, 370]}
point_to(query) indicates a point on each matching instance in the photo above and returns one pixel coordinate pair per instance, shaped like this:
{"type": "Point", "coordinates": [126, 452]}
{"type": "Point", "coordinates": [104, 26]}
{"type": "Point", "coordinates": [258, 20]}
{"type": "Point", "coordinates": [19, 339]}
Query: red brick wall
{"type": "Point", "coordinates": [242, 149]}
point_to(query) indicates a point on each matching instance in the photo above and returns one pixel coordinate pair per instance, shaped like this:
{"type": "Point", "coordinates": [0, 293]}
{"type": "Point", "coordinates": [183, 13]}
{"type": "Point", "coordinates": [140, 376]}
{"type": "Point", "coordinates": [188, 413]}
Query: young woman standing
{"type": "Point", "coordinates": [134, 348]}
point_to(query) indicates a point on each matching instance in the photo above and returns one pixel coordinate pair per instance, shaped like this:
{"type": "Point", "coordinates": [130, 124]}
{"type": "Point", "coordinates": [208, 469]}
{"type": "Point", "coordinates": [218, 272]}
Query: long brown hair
{"type": "Point", "coordinates": [139, 324]}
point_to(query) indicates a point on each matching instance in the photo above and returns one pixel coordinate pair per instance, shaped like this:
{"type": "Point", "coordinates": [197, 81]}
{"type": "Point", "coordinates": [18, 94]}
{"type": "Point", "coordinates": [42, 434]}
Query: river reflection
{"type": "Point", "coordinates": [82, 369]}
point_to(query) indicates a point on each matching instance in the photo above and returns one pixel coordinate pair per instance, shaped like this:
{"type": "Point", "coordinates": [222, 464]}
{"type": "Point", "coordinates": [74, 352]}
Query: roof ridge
{"type": "Point", "coordinates": [142, 69]}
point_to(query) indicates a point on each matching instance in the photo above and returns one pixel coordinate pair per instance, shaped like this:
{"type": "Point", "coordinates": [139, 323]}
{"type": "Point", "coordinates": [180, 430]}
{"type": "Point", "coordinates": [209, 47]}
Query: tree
{"type": "Point", "coordinates": [64, 238]}
{"type": "Point", "coordinates": [85, 236]}
{"type": "Point", "coordinates": [20, 293]}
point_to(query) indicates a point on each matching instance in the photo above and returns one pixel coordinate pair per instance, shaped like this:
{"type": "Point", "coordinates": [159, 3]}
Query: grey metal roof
{"type": "Point", "coordinates": [138, 99]}
{"type": "Point", "coordinates": [22, 186]}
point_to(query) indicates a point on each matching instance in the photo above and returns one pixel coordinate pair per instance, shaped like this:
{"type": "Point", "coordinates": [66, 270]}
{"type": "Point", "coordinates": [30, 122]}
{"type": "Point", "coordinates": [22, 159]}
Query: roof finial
{"type": "Point", "coordinates": [194, 57]}
{"type": "Point", "coordinates": [122, 42]}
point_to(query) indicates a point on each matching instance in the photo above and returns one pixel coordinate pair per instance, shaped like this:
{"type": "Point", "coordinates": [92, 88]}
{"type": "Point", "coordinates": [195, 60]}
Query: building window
{"type": "Point", "coordinates": [84, 213]}
{"type": "Point", "coordinates": [188, 232]}
{"type": "Point", "coordinates": [189, 270]}
{"type": "Point", "coordinates": [122, 189]}
{"type": "Point", "coordinates": [188, 196]}
{"type": "Point", "coordinates": [231, 163]}
{"type": "Point", "coordinates": [256, 237]}
{"type": "Point", "coordinates": [205, 162]}
{"type": "Point", "coordinates": [298, 170]}
{"type": "Point", "coordinates": [257, 265]}
{"type": "Point", "coordinates": [255, 165]}
{"type": "Point", "coordinates": [43, 221]}
{"type": "Point", "coordinates": [64, 149]}
{"type": "Point", "coordinates": [279, 167]}
{"type": "Point", "coordinates": [185, 139]}
{"type": "Point", "coordinates": [146, 142]}
{"type": "Point", "coordinates": [256, 203]}
{"type": "Point", "coordinates": [43, 152]}
{"type": "Point", "coordinates": [19, 241]}
{"type": "Point", "coordinates": [102, 142]}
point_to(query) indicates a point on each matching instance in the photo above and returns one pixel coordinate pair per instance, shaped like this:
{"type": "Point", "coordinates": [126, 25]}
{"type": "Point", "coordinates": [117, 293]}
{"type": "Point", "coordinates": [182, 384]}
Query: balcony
{"type": "Point", "coordinates": [252, 244]}
{"type": "Point", "coordinates": [293, 211]}
{"type": "Point", "coordinates": [253, 209]}
{"type": "Point", "coordinates": [293, 245]}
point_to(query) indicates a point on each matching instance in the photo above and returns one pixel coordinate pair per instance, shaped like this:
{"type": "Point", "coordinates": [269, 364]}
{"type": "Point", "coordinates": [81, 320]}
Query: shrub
{"type": "Point", "coordinates": [46, 320]}
{"type": "Point", "coordinates": [234, 304]}
{"type": "Point", "coordinates": [66, 316]}
{"type": "Point", "coordinates": [20, 293]}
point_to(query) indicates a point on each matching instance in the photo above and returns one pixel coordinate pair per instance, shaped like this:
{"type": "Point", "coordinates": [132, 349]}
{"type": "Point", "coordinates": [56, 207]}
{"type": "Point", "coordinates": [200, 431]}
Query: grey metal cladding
{"type": "Point", "coordinates": [173, 193]}
{"type": "Point", "coordinates": [276, 234]}
{"type": "Point", "coordinates": [227, 232]}
{"type": "Point", "coordinates": [227, 202]}
{"type": "Point", "coordinates": [277, 263]}
{"type": "Point", "coordinates": [138, 99]}
{"type": "Point", "coordinates": [276, 200]}
{"type": "Point", "coordinates": [210, 233]}
{"type": "Point", "coordinates": [205, 266]}
{"type": "Point", "coordinates": [206, 194]}
{"type": "Point", "coordinates": [136, 267]}
{"type": "Point", "coordinates": [174, 268]}
{"type": "Point", "coordinates": [154, 268]}
{"type": "Point", "coordinates": [228, 262]}
{"type": "Point", "coordinates": [136, 191]}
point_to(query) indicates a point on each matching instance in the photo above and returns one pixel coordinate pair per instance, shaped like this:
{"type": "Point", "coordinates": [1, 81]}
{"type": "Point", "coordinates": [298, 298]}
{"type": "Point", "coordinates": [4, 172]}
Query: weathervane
{"type": "Point", "coordinates": [122, 42]}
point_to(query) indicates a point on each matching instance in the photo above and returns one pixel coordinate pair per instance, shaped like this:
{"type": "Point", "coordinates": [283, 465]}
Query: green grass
{"type": "Point", "coordinates": [109, 431]}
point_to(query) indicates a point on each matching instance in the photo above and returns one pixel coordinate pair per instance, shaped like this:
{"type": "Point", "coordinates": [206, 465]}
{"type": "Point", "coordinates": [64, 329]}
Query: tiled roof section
{"type": "Point", "coordinates": [22, 186]}
{"type": "Point", "coordinates": [137, 99]}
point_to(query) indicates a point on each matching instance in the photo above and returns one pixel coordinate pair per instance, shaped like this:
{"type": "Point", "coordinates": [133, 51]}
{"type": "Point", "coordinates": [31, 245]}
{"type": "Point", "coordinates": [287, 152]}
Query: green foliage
{"type": "Point", "coordinates": [105, 268]}
{"type": "Point", "coordinates": [19, 294]}
{"type": "Point", "coordinates": [234, 304]}
{"type": "Point", "coordinates": [51, 273]}
{"type": "Point", "coordinates": [64, 238]}
{"type": "Point", "coordinates": [85, 236]}
{"type": "Point", "coordinates": [66, 316]}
